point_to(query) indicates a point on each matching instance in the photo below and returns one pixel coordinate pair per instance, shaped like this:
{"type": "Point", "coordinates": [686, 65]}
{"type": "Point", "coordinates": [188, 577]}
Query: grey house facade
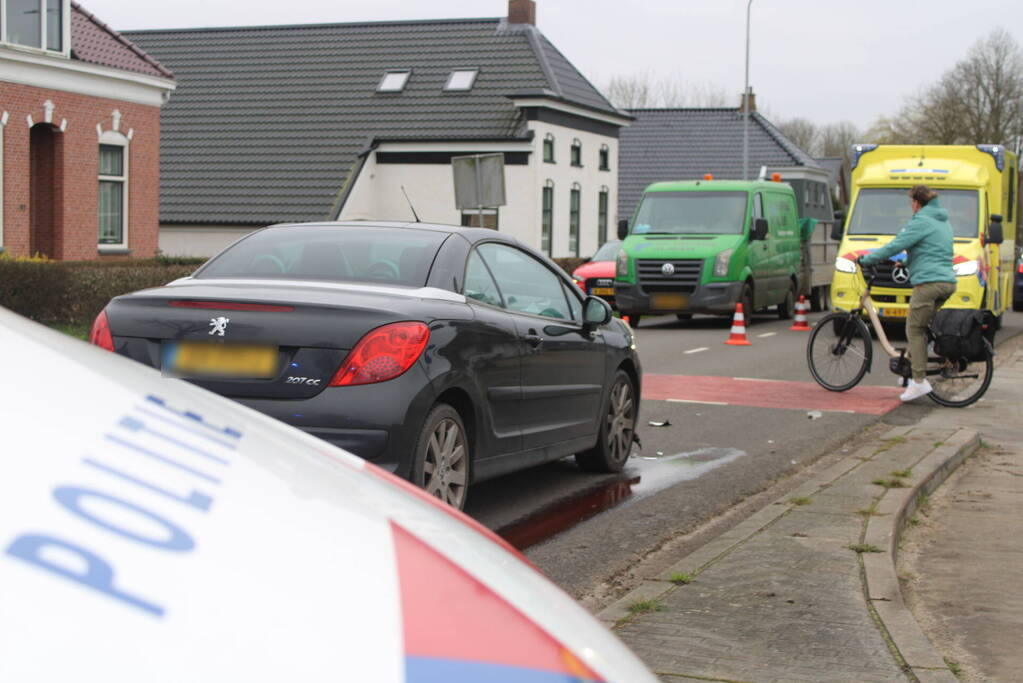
{"type": "Point", "coordinates": [305, 123]}
{"type": "Point", "coordinates": [686, 144]}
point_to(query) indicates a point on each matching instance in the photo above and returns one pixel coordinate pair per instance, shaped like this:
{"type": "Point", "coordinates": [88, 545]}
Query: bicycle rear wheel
{"type": "Point", "coordinates": [839, 351]}
{"type": "Point", "coordinates": [959, 383]}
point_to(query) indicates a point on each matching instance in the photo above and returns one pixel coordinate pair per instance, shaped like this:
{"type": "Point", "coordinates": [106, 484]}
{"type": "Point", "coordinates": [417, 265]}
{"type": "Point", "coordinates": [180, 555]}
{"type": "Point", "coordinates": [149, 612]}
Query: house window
{"type": "Point", "coordinates": [394, 81]}
{"type": "Point", "coordinates": [471, 218]}
{"type": "Point", "coordinates": [35, 23]}
{"type": "Point", "coordinates": [577, 152]}
{"type": "Point", "coordinates": [602, 216]}
{"type": "Point", "coordinates": [605, 158]}
{"type": "Point", "coordinates": [461, 79]}
{"type": "Point", "coordinates": [573, 219]}
{"type": "Point", "coordinates": [548, 148]}
{"type": "Point", "coordinates": [547, 221]}
{"type": "Point", "coordinates": [113, 194]}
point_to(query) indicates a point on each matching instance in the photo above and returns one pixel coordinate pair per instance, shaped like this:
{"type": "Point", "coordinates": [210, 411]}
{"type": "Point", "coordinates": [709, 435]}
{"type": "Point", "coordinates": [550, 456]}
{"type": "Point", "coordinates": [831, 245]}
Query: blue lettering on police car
{"type": "Point", "coordinates": [196, 499]}
{"type": "Point", "coordinates": [162, 458]}
{"type": "Point", "coordinates": [90, 570]}
{"type": "Point", "coordinates": [136, 425]}
{"type": "Point", "coordinates": [98, 574]}
{"type": "Point", "coordinates": [71, 497]}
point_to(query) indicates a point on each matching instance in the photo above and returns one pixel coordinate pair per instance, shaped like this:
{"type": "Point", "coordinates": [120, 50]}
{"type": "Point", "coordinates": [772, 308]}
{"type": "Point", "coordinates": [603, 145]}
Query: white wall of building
{"type": "Point", "coordinates": [204, 240]}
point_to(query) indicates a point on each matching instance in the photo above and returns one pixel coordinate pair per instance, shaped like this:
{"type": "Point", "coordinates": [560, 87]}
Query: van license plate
{"type": "Point", "coordinates": [211, 359]}
{"type": "Point", "coordinates": [894, 312]}
{"type": "Point", "coordinates": [668, 301]}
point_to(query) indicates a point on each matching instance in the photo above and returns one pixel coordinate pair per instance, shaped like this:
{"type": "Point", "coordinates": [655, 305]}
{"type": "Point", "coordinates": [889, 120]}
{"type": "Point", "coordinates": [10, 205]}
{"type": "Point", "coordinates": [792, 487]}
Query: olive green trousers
{"type": "Point", "coordinates": [925, 302]}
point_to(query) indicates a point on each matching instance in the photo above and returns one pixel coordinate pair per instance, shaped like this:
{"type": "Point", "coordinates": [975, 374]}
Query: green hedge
{"type": "Point", "coordinates": [569, 264]}
{"type": "Point", "coordinates": [74, 292]}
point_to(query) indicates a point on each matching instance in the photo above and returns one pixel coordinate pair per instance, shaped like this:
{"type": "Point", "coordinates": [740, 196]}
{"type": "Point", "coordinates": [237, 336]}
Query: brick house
{"type": "Point", "coordinates": [79, 135]}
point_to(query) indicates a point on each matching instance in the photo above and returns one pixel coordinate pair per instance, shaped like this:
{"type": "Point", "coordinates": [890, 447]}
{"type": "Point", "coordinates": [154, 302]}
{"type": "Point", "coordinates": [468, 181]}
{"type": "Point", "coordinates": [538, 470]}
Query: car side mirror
{"type": "Point", "coordinates": [759, 229]}
{"type": "Point", "coordinates": [623, 229]}
{"type": "Point", "coordinates": [994, 231]}
{"type": "Point", "coordinates": [596, 312]}
{"type": "Point", "coordinates": [837, 228]}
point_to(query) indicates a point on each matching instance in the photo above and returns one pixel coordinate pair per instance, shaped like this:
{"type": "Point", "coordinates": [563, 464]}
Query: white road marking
{"type": "Point", "coordinates": [766, 334]}
{"type": "Point", "coordinates": [697, 350]}
{"type": "Point", "coordinates": [683, 400]}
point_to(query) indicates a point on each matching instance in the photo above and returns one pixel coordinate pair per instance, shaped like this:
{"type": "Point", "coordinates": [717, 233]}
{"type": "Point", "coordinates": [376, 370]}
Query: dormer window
{"type": "Point", "coordinates": [41, 24]}
{"type": "Point", "coordinates": [393, 81]}
{"type": "Point", "coordinates": [461, 79]}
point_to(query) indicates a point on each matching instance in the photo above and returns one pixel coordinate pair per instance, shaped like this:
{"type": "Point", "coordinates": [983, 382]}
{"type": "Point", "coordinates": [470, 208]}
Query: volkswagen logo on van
{"type": "Point", "coordinates": [667, 270]}
{"type": "Point", "coordinates": [900, 275]}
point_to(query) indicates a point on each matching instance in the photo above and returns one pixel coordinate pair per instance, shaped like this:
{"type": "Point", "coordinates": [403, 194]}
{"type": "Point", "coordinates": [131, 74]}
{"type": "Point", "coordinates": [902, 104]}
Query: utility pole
{"type": "Point", "coordinates": [745, 104]}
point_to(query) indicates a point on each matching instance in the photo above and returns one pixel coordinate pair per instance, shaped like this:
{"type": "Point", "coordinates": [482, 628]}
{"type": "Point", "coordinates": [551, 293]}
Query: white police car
{"type": "Point", "coordinates": [152, 531]}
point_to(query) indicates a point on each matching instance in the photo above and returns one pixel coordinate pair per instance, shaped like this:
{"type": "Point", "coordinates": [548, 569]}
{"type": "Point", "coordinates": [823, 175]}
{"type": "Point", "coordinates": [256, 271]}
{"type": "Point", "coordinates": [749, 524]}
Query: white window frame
{"type": "Point", "coordinates": [407, 73]}
{"type": "Point", "coordinates": [65, 38]}
{"type": "Point", "coordinates": [471, 74]}
{"type": "Point", "coordinates": [3, 125]}
{"type": "Point", "coordinates": [116, 139]}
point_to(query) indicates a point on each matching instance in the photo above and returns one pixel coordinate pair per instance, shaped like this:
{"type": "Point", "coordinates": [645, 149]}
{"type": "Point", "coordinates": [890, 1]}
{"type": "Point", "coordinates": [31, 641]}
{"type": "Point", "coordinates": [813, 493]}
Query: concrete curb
{"type": "Point", "coordinates": [882, 583]}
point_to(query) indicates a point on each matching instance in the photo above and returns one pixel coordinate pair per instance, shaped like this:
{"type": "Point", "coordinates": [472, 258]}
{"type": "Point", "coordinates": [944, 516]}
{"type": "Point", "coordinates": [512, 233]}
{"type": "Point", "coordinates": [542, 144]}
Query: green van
{"type": "Point", "coordinates": [702, 246]}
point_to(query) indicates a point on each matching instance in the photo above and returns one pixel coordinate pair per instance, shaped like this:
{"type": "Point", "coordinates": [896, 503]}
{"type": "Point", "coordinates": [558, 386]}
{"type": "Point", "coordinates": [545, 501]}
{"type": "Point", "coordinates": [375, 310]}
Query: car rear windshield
{"type": "Point", "coordinates": [885, 211]}
{"type": "Point", "coordinates": [691, 213]}
{"type": "Point", "coordinates": [396, 256]}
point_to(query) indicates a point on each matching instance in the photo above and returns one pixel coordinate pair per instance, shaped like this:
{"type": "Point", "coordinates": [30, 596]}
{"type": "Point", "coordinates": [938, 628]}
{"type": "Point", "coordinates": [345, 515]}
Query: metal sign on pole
{"type": "Point", "coordinates": [479, 182]}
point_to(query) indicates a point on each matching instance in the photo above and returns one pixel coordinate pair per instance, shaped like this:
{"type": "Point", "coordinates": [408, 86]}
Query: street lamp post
{"type": "Point", "coordinates": [745, 105]}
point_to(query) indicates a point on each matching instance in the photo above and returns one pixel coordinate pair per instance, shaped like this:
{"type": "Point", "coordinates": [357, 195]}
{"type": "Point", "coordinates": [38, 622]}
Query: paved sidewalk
{"type": "Point", "coordinates": [805, 589]}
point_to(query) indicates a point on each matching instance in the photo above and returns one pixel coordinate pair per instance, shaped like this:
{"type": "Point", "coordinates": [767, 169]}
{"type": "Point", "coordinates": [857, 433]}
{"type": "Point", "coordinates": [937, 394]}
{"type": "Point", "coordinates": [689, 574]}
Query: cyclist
{"type": "Point", "coordinates": [927, 240]}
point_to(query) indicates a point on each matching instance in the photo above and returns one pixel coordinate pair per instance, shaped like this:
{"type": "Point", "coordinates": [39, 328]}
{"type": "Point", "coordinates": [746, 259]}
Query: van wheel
{"type": "Point", "coordinates": [617, 428]}
{"type": "Point", "coordinates": [684, 316]}
{"type": "Point", "coordinates": [442, 457]}
{"type": "Point", "coordinates": [747, 303]}
{"type": "Point", "coordinates": [785, 307]}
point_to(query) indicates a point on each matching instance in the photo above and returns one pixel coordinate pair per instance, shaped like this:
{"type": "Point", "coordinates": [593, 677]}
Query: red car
{"type": "Point", "coordinates": [597, 276]}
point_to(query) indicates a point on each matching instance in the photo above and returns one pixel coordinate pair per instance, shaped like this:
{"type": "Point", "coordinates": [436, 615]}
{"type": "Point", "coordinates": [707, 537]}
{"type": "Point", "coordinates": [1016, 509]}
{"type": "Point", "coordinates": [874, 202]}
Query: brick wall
{"type": "Point", "coordinates": [75, 174]}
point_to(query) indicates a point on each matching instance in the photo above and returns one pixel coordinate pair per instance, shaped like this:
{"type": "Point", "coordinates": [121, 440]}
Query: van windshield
{"type": "Point", "coordinates": [691, 213]}
{"type": "Point", "coordinates": [884, 211]}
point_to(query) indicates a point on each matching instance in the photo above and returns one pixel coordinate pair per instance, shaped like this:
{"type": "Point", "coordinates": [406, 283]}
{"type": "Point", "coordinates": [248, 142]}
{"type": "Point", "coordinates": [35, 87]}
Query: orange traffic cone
{"type": "Point", "coordinates": [738, 335]}
{"type": "Point", "coordinates": [801, 324]}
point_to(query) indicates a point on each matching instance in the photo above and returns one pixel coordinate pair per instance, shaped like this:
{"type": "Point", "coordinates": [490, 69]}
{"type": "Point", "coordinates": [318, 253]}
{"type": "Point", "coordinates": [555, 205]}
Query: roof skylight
{"type": "Point", "coordinates": [393, 81]}
{"type": "Point", "coordinates": [461, 79]}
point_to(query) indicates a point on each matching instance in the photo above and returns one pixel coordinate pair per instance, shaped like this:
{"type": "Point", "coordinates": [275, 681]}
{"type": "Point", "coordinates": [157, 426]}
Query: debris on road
{"type": "Point", "coordinates": [815, 414]}
{"type": "Point", "coordinates": [655, 423]}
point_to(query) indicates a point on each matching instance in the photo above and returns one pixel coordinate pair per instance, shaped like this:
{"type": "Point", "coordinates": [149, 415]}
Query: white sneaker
{"type": "Point", "coordinates": [916, 390]}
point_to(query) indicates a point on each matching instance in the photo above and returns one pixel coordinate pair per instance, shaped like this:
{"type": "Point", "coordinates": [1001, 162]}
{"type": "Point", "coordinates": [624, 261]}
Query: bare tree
{"type": "Point", "coordinates": [802, 132]}
{"type": "Point", "coordinates": [979, 100]}
{"type": "Point", "coordinates": [641, 91]}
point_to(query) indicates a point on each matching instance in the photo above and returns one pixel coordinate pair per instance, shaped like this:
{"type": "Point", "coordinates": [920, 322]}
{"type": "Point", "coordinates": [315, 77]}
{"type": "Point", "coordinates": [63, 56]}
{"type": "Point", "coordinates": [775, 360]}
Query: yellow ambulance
{"type": "Point", "coordinates": [979, 187]}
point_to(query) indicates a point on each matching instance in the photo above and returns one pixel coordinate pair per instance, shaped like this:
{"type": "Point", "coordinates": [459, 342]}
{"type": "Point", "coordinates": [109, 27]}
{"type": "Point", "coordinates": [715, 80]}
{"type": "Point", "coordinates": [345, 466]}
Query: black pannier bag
{"type": "Point", "coordinates": [959, 333]}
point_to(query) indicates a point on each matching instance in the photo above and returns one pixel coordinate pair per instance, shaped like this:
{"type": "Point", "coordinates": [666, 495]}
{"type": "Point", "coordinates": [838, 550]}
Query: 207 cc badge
{"type": "Point", "coordinates": [219, 325]}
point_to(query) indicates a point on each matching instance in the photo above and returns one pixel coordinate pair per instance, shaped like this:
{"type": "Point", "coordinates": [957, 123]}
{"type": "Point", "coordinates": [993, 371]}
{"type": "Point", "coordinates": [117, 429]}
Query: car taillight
{"type": "Point", "coordinates": [100, 333]}
{"type": "Point", "coordinates": [383, 354]}
{"type": "Point", "coordinates": [1020, 269]}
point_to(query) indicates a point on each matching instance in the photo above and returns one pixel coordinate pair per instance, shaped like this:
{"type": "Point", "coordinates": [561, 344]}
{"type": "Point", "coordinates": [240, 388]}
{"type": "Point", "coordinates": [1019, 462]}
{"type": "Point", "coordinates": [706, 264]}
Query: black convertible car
{"type": "Point", "coordinates": [447, 355]}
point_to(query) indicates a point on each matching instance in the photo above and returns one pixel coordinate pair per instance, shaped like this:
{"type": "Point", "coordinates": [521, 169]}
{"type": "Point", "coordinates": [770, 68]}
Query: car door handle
{"type": "Point", "coordinates": [533, 339]}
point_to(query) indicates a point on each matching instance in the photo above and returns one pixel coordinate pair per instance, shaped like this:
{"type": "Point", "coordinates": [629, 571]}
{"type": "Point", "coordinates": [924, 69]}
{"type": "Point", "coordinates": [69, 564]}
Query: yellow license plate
{"type": "Point", "coordinates": [603, 291]}
{"type": "Point", "coordinates": [894, 312]}
{"type": "Point", "coordinates": [254, 361]}
{"type": "Point", "coordinates": [668, 301]}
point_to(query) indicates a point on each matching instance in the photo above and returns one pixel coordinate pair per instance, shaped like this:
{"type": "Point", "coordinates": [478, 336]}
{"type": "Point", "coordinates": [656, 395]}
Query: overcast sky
{"type": "Point", "coordinates": [825, 60]}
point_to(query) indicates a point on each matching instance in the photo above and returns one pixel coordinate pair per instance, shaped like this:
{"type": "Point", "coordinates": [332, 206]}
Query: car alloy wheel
{"type": "Point", "coordinates": [446, 462]}
{"type": "Point", "coordinates": [620, 422]}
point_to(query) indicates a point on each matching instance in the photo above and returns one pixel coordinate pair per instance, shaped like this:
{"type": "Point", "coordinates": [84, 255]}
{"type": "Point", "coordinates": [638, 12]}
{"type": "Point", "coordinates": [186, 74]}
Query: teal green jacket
{"type": "Point", "coordinates": [927, 239]}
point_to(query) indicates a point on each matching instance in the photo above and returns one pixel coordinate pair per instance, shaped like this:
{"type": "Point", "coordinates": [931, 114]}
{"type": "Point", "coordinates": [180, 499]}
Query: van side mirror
{"type": "Point", "coordinates": [837, 229]}
{"type": "Point", "coordinates": [840, 215]}
{"type": "Point", "coordinates": [994, 231]}
{"type": "Point", "coordinates": [623, 229]}
{"type": "Point", "coordinates": [759, 229]}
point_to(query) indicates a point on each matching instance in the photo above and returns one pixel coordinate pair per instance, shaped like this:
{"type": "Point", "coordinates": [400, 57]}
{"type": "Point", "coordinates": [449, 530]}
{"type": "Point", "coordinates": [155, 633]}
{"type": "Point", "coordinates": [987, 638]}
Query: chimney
{"type": "Point", "coordinates": [522, 12]}
{"type": "Point", "coordinates": [752, 102]}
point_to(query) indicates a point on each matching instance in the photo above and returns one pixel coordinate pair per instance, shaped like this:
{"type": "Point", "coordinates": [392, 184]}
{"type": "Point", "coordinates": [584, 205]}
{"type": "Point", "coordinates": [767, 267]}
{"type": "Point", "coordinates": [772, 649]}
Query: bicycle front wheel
{"type": "Point", "coordinates": [959, 383]}
{"type": "Point", "coordinates": [839, 351]}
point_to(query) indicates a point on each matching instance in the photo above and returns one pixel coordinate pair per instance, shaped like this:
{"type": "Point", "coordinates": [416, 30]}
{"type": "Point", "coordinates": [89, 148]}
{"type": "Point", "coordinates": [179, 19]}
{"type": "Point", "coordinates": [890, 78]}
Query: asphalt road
{"type": "Point", "coordinates": [739, 418]}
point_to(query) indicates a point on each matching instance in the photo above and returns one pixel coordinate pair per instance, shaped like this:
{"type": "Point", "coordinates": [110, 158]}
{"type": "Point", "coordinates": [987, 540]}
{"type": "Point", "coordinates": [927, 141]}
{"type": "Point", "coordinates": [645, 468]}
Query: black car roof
{"type": "Point", "coordinates": [472, 235]}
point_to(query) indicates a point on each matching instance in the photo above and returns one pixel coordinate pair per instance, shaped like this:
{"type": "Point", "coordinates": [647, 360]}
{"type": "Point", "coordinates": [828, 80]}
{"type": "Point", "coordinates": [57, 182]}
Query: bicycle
{"type": "Point", "coordinates": [840, 352]}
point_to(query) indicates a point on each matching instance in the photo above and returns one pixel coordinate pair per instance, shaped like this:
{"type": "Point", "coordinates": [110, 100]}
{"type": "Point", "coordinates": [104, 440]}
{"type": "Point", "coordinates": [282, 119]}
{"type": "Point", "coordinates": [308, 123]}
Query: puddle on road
{"type": "Point", "coordinates": [649, 475]}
